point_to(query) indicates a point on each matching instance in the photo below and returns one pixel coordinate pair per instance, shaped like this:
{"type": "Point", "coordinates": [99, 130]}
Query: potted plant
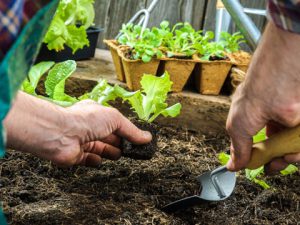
{"type": "Point", "coordinates": [178, 50]}
{"type": "Point", "coordinates": [71, 34]}
{"type": "Point", "coordinates": [113, 47]}
{"type": "Point", "coordinates": [141, 54]}
{"type": "Point", "coordinates": [214, 61]}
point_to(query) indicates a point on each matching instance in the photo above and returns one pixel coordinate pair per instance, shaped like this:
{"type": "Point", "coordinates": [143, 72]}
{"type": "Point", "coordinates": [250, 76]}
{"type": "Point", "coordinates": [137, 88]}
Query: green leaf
{"type": "Point", "coordinates": [251, 174]}
{"type": "Point", "coordinates": [69, 25]}
{"type": "Point", "coordinates": [223, 158]}
{"type": "Point", "coordinates": [77, 38]}
{"type": "Point", "coordinates": [35, 73]}
{"type": "Point", "coordinates": [60, 103]}
{"type": "Point", "coordinates": [56, 35]}
{"type": "Point", "coordinates": [171, 111]}
{"type": "Point", "coordinates": [55, 82]}
{"type": "Point", "coordinates": [261, 183]}
{"type": "Point", "coordinates": [150, 101]}
{"type": "Point", "coordinates": [134, 99]}
{"type": "Point", "coordinates": [260, 136]}
{"type": "Point", "coordinates": [146, 58]}
{"type": "Point", "coordinates": [290, 169]}
{"type": "Point", "coordinates": [101, 93]}
{"type": "Point", "coordinates": [26, 87]}
{"type": "Point", "coordinates": [156, 90]}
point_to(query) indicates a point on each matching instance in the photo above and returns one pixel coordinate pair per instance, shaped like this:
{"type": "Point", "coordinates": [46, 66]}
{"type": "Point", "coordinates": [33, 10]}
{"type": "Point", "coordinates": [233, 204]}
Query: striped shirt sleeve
{"type": "Point", "coordinates": [285, 14]}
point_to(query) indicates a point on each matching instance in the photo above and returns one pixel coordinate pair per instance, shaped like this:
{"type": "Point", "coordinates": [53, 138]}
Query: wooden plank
{"type": "Point", "coordinates": [201, 113]}
{"type": "Point", "coordinates": [111, 14]}
{"type": "Point", "coordinates": [210, 16]}
{"type": "Point", "coordinates": [175, 11]}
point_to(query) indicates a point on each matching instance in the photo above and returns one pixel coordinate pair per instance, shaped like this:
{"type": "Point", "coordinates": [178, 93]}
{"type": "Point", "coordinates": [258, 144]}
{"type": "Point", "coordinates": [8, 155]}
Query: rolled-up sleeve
{"type": "Point", "coordinates": [285, 14]}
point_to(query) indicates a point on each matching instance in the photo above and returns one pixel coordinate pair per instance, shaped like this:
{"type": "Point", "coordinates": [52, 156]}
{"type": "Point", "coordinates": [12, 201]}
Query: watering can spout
{"type": "Point", "coordinates": [243, 22]}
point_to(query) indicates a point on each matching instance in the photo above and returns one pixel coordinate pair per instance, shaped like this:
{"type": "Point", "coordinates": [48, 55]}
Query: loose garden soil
{"type": "Point", "coordinates": [129, 191]}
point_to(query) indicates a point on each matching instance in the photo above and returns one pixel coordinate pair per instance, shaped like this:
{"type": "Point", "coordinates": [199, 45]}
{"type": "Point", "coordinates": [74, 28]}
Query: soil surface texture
{"type": "Point", "coordinates": [129, 191]}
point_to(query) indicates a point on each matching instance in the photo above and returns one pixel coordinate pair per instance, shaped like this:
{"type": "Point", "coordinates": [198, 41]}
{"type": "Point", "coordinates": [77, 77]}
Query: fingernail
{"type": "Point", "coordinates": [229, 165]}
{"type": "Point", "coordinates": [147, 135]}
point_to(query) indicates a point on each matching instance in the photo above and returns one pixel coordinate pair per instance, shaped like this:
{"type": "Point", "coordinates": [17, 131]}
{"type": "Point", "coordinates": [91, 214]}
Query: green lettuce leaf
{"type": "Point", "coordinates": [69, 25]}
{"type": "Point", "coordinates": [36, 72]}
{"type": "Point", "coordinates": [150, 101]}
{"type": "Point", "coordinates": [260, 136]}
{"type": "Point", "coordinates": [77, 38]}
{"type": "Point", "coordinates": [223, 158]}
{"type": "Point", "coordinates": [101, 93]}
{"type": "Point", "coordinates": [135, 100]}
{"type": "Point", "coordinates": [290, 169]}
{"type": "Point", "coordinates": [55, 82]}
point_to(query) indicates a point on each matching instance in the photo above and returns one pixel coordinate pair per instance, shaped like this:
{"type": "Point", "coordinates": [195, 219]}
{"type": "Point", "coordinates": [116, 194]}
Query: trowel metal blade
{"type": "Point", "coordinates": [217, 185]}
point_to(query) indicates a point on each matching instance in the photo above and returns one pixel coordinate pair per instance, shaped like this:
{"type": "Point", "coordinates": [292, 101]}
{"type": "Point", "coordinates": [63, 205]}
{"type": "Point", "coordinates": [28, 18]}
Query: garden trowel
{"type": "Point", "coordinates": [219, 184]}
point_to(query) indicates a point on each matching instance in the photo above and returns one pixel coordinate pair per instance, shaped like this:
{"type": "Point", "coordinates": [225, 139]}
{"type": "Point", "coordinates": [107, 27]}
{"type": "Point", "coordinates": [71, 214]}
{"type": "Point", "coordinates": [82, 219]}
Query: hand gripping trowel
{"type": "Point", "coordinates": [219, 184]}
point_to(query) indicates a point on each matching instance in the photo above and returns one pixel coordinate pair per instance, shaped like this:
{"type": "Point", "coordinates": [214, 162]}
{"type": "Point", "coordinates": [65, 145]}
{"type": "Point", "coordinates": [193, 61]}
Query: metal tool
{"type": "Point", "coordinates": [219, 184]}
{"type": "Point", "coordinates": [227, 9]}
{"type": "Point", "coordinates": [243, 22]}
{"type": "Point", "coordinates": [216, 185]}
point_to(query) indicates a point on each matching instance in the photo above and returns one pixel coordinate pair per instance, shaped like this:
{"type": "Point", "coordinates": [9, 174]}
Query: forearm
{"type": "Point", "coordinates": [275, 69]}
{"type": "Point", "coordinates": [28, 119]}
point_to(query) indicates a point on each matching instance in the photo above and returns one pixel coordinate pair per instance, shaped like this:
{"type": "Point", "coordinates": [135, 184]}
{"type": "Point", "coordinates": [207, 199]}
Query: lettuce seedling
{"type": "Point", "coordinates": [183, 39]}
{"type": "Point", "coordinates": [150, 102]}
{"type": "Point", "coordinates": [144, 45]}
{"type": "Point", "coordinates": [213, 50]}
{"type": "Point", "coordinates": [129, 34]}
{"type": "Point", "coordinates": [69, 25]}
{"type": "Point", "coordinates": [101, 93]}
{"type": "Point", "coordinates": [55, 81]}
{"type": "Point", "coordinates": [232, 42]}
{"type": "Point", "coordinates": [36, 72]}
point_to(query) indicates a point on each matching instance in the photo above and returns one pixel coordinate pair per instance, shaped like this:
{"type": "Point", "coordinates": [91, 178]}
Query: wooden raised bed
{"type": "Point", "coordinates": [132, 192]}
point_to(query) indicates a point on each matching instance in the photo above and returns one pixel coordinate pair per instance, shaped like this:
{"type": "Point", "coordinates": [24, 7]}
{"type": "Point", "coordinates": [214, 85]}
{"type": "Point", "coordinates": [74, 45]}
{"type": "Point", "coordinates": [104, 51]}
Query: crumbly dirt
{"type": "Point", "coordinates": [142, 152]}
{"type": "Point", "coordinates": [129, 191]}
{"type": "Point", "coordinates": [240, 57]}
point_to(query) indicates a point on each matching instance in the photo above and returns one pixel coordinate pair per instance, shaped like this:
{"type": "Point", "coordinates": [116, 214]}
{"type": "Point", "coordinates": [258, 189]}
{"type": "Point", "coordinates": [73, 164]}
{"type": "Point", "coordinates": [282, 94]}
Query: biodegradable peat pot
{"type": "Point", "coordinates": [113, 47]}
{"type": "Point", "coordinates": [86, 52]}
{"type": "Point", "coordinates": [241, 60]}
{"type": "Point", "coordinates": [134, 70]}
{"type": "Point", "coordinates": [211, 75]}
{"type": "Point", "coordinates": [179, 70]}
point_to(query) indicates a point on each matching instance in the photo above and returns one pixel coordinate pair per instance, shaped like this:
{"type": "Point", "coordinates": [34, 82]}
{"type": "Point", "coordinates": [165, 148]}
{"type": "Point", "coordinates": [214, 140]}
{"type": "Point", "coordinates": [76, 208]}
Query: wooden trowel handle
{"type": "Point", "coordinates": [280, 144]}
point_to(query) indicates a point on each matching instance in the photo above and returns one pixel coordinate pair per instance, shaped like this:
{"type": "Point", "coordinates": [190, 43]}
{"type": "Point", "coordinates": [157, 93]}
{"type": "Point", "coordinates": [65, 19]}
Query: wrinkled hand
{"type": "Point", "coordinates": [79, 135]}
{"type": "Point", "coordinates": [270, 95]}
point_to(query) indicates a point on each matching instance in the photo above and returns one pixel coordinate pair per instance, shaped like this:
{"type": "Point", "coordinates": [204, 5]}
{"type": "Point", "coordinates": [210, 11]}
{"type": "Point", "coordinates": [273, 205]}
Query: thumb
{"type": "Point", "coordinates": [130, 132]}
{"type": "Point", "coordinates": [244, 120]}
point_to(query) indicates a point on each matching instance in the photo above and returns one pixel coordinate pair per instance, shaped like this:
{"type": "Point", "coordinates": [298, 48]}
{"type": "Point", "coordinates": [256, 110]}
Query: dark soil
{"type": "Point", "coordinates": [132, 191]}
{"type": "Point", "coordinates": [217, 58]}
{"type": "Point", "coordinates": [142, 152]}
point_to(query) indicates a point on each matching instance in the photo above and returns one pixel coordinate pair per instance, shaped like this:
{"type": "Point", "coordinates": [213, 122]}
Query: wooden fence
{"type": "Point", "coordinates": [111, 14]}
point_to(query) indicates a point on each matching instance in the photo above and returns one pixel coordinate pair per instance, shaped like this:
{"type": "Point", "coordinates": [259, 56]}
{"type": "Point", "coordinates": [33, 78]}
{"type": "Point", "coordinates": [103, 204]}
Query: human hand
{"type": "Point", "coordinates": [79, 135]}
{"type": "Point", "coordinates": [269, 95]}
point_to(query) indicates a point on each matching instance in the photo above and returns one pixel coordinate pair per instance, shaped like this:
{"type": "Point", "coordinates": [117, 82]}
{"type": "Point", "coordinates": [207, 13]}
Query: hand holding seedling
{"type": "Point", "coordinates": [270, 94]}
{"type": "Point", "coordinates": [82, 134]}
